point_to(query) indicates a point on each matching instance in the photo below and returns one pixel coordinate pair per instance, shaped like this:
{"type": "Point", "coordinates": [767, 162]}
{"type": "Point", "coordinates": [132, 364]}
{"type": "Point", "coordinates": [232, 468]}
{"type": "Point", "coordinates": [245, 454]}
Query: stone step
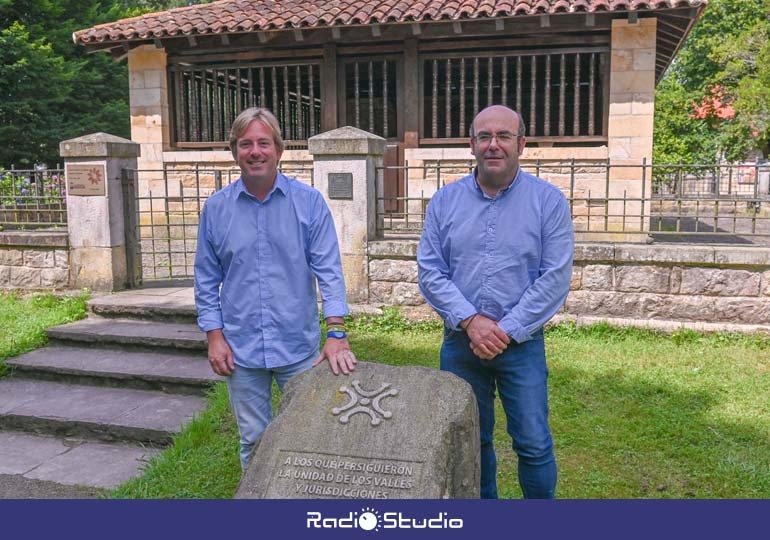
{"type": "Point", "coordinates": [170, 304]}
{"type": "Point", "coordinates": [172, 373]}
{"type": "Point", "coordinates": [42, 467]}
{"type": "Point", "coordinates": [137, 334]}
{"type": "Point", "coordinates": [92, 412]}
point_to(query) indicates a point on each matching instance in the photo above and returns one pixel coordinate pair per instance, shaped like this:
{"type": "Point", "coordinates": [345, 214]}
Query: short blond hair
{"type": "Point", "coordinates": [244, 120]}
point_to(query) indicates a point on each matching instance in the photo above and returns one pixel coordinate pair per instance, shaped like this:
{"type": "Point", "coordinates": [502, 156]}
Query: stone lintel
{"type": "Point", "coordinates": [34, 238]}
{"type": "Point", "coordinates": [99, 145]}
{"type": "Point", "coordinates": [349, 141]}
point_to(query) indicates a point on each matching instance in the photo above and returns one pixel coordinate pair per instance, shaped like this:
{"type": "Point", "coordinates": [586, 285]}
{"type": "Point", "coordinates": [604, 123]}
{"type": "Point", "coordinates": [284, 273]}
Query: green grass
{"type": "Point", "coordinates": [635, 414]}
{"type": "Point", "coordinates": [23, 320]}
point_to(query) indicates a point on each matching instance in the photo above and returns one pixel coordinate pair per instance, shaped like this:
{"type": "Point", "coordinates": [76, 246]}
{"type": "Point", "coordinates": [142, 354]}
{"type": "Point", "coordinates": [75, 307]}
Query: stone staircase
{"type": "Point", "coordinates": [85, 413]}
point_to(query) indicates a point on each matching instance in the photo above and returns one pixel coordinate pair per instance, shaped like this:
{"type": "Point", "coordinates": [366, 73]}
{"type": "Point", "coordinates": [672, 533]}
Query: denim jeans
{"type": "Point", "coordinates": [520, 376]}
{"type": "Point", "coordinates": [250, 399]}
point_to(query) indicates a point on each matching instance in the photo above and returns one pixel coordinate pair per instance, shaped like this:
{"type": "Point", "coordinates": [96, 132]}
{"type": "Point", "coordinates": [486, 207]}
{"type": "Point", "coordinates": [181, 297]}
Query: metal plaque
{"type": "Point", "coordinates": [87, 180]}
{"type": "Point", "coordinates": [341, 185]}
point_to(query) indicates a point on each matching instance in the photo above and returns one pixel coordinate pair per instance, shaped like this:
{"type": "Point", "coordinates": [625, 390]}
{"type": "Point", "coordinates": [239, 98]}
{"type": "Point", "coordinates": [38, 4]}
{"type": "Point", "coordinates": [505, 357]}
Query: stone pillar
{"type": "Point", "coordinates": [148, 102]}
{"type": "Point", "coordinates": [344, 171]}
{"type": "Point", "coordinates": [631, 113]}
{"type": "Point", "coordinates": [95, 221]}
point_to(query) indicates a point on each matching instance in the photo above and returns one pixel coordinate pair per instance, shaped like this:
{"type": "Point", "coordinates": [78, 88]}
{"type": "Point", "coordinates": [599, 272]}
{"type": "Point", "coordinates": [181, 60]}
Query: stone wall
{"type": "Point", "coordinates": [640, 284]}
{"type": "Point", "coordinates": [34, 260]}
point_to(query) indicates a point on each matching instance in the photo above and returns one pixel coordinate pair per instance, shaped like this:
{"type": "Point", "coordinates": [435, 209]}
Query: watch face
{"type": "Point", "coordinates": [367, 521]}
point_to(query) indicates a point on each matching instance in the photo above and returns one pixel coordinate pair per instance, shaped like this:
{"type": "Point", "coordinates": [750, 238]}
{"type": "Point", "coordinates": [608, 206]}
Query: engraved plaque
{"type": "Point", "coordinates": [311, 475]}
{"type": "Point", "coordinates": [86, 180]}
{"type": "Point", "coordinates": [341, 186]}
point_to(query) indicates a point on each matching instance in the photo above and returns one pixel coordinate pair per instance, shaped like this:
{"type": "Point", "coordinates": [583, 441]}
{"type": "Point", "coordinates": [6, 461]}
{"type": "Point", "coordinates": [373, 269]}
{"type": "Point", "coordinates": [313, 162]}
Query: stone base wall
{"type": "Point", "coordinates": [689, 284]}
{"type": "Point", "coordinates": [34, 260]}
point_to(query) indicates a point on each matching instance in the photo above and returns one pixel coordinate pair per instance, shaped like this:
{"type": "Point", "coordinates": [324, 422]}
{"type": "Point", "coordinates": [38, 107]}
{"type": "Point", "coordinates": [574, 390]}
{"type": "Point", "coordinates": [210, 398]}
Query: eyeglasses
{"type": "Point", "coordinates": [503, 138]}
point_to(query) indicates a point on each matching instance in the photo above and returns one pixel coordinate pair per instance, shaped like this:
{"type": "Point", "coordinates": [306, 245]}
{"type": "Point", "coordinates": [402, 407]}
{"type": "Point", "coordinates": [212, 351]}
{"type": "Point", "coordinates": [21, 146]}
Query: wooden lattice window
{"type": "Point", "coordinates": [559, 93]}
{"type": "Point", "coordinates": [370, 96]}
{"type": "Point", "coordinates": [206, 99]}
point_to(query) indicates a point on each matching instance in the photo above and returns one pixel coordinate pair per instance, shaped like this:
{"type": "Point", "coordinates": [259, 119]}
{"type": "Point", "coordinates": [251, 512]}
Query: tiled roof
{"type": "Point", "coordinates": [227, 16]}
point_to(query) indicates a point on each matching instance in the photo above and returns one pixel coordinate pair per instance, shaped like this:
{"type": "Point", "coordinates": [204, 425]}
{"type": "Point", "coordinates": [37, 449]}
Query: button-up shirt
{"type": "Point", "coordinates": [267, 255]}
{"type": "Point", "coordinates": [507, 257]}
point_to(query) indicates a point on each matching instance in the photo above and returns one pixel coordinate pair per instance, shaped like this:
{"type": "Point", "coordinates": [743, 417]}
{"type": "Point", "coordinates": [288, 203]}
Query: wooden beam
{"type": "Point", "coordinates": [336, 34]}
{"type": "Point", "coordinates": [329, 88]}
{"type": "Point", "coordinates": [545, 21]}
{"type": "Point", "coordinates": [499, 25]}
{"type": "Point", "coordinates": [191, 41]}
{"type": "Point", "coordinates": [633, 17]}
{"type": "Point", "coordinates": [158, 43]}
{"type": "Point", "coordinates": [457, 27]}
{"type": "Point", "coordinates": [376, 31]}
{"type": "Point", "coordinates": [416, 30]}
{"type": "Point", "coordinates": [668, 41]}
{"type": "Point", "coordinates": [298, 35]}
{"type": "Point", "coordinates": [663, 22]}
{"type": "Point", "coordinates": [225, 39]}
{"type": "Point", "coordinates": [262, 36]}
{"type": "Point", "coordinates": [590, 19]}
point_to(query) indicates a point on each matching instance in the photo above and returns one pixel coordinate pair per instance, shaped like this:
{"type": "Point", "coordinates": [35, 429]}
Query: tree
{"type": "Point", "coordinates": [51, 89]}
{"type": "Point", "coordinates": [34, 87]}
{"type": "Point", "coordinates": [711, 102]}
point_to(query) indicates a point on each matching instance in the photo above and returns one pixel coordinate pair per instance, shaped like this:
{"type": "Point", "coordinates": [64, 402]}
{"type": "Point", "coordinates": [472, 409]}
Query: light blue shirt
{"type": "Point", "coordinates": [267, 256]}
{"type": "Point", "coordinates": [508, 258]}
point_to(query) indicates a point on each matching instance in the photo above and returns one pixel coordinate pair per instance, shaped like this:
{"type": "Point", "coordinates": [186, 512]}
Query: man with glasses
{"type": "Point", "coordinates": [495, 262]}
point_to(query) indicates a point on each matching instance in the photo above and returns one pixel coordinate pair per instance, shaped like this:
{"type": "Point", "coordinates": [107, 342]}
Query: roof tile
{"type": "Point", "coordinates": [253, 15]}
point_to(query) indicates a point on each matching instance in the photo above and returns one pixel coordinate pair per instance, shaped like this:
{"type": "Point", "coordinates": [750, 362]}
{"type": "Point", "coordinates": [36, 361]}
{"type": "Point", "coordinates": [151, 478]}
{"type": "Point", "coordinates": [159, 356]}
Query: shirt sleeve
{"type": "Point", "coordinates": [433, 272]}
{"type": "Point", "coordinates": [547, 294]}
{"type": "Point", "coordinates": [208, 278]}
{"type": "Point", "coordinates": [325, 261]}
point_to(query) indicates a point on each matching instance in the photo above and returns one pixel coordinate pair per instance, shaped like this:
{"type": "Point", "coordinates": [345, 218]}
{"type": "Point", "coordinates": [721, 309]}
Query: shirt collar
{"type": "Point", "coordinates": [281, 184]}
{"type": "Point", "coordinates": [502, 191]}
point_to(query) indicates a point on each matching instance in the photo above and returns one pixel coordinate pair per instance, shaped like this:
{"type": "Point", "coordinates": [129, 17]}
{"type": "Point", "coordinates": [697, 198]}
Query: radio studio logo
{"type": "Point", "coordinates": [370, 519]}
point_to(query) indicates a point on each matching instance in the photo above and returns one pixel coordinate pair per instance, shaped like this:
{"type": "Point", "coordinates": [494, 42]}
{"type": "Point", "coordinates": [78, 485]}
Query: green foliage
{"type": "Point", "coordinates": [680, 138]}
{"type": "Point", "coordinates": [391, 320]}
{"type": "Point", "coordinates": [23, 320]}
{"type": "Point", "coordinates": [52, 90]}
{"type": "Point", "coordinates": [727, 49]}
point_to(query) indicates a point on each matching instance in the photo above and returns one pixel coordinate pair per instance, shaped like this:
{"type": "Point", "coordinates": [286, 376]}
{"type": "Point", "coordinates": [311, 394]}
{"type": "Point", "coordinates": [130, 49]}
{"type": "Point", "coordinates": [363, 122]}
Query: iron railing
{"type": "Point", "coordinates": [163, 208]}
{"type": "Point", "coordinates": [32, 198]}
{"type": "Point", "coordinates": [717, 203]}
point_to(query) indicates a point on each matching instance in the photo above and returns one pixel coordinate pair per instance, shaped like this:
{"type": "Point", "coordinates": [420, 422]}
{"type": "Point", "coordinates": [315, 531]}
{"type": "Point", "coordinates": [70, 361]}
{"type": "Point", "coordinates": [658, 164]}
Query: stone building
{"type": "Point", "coordinates": [581, 72]}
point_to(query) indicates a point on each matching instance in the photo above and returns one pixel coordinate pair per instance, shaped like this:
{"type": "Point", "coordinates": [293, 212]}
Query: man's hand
{"type": "Point", "coordinates": [339, 355]}
{"type": "Point", "coordinates": [220, 354]}
{"type": "Point", "coordinates": [487, 338]}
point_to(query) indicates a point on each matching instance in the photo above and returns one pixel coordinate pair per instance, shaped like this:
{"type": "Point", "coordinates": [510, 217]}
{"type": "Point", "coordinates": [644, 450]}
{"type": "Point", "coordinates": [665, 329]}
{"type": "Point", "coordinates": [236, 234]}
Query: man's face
{"type": "Point", "coordinates": [257, 154]}
{"type": "Point", "coordinates": [496, 146]}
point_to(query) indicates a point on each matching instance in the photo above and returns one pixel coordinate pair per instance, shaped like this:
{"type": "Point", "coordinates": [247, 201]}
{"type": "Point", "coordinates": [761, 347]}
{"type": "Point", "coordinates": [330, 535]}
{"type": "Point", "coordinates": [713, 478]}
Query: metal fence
{"type": "Point", "coordinates": [163, 208]}
{"type": "Point", "coordinates": [671, 202]}
{"type": "Point", "coordinates": [678, 203]}
{"type": "Point", "coordinates": [32, 199]}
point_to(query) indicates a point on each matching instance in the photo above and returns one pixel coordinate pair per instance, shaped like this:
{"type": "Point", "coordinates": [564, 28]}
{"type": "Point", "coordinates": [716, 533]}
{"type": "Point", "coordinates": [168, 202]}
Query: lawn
{"type": "Point", "coordinates": [23, 320]}
{"type": "Point", "coordinates": [635, 414]}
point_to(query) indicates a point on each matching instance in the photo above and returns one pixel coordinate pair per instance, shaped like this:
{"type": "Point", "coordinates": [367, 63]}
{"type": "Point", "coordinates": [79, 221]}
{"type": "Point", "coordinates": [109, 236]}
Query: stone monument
{"type": "Point", "coordinates": [383, 432]}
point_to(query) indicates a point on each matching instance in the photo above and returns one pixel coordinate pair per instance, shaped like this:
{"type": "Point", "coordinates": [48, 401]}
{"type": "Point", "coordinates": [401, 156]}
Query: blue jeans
{"type": "Point", "coordinates": [250, 399]}
{"type": "Point", "coordinates": [520, 376]}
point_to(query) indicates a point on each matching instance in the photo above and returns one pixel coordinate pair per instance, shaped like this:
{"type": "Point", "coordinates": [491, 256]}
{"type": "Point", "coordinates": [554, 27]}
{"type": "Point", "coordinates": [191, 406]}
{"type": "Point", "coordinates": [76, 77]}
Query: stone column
{"type": "Point", "coordinates": [631, 114]}
{"type": "Point", "coordinates": [95, 209]}
{"type": "Point", "coordinates": [344, 171]}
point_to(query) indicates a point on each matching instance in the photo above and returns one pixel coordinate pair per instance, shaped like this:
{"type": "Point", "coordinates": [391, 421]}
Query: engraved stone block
{"type": "Point", "coordinates": [383, 432]}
